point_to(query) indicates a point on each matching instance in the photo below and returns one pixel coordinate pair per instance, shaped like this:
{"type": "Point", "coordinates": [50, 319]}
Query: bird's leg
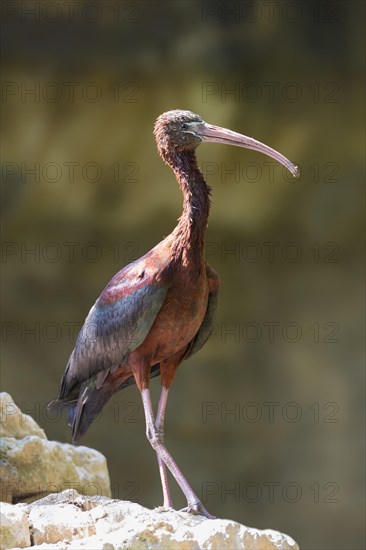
{"type": "Point", "coordinates": [159, 423]}
{"type": "Point", "coordinates": [195, 506]}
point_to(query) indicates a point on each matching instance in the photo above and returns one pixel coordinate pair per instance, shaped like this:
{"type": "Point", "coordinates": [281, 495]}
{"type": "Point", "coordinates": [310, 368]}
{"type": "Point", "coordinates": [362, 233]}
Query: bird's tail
{"type": "Point", "coordinates": [85, 402]}
{"type": "Point", "coordinates": [87, 408]}
{"type": "Point", "coordinates": [83, 411]}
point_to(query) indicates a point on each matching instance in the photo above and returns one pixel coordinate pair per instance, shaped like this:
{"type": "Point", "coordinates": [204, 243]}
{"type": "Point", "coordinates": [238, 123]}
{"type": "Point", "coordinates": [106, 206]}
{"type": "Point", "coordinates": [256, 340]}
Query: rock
{"type": "Point", "coordinates": [14, 528]}
{"type": "Point", "coordinates": [34, 467]}
{"type": "Point", "coordinates": [31, 466]}
{"type": "Point", "coordinates": [14, 423]}
{"type": "Point", "coordinates": [58, 521]}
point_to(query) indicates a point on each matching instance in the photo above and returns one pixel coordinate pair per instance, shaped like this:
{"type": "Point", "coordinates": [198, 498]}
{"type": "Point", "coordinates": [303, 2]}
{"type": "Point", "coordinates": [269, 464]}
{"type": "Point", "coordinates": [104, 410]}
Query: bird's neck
{"type": "Point", "coordinates": [189, 234]}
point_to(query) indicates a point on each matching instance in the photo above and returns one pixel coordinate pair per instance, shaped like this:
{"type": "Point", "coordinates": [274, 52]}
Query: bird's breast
{"type": "Point", "coordinates": [180, 317]}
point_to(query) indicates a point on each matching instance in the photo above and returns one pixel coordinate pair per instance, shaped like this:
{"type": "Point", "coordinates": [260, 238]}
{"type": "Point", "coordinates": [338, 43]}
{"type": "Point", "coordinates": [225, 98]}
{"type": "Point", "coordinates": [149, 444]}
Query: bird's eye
{"type": "Point", "coordinates": [184, 126]}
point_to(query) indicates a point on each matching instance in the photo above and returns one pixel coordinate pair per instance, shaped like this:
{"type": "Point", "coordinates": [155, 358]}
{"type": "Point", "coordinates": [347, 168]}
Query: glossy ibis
{"type": "Point", "coordinates": [158, 310]}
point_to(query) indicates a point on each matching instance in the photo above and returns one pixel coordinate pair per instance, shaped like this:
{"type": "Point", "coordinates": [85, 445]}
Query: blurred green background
{"type": "Point", "coordinates": [266, 421]}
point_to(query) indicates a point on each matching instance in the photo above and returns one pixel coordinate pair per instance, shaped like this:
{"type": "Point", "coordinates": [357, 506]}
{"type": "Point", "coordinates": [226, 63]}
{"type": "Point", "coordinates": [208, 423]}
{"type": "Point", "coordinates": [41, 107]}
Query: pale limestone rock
{"type": "Point", "coordinates": [9, 479]}
{"type": "Point", "coordinates": [34, 467]}
{"type": "Point", "coordinates": [69, 521]}
{"type": "Point", "coordinates": [53, 523]}
{"type": "Point", "coordinates": [14, 423]}
{"type": "Point", "coordinates": [14, 528]}
{"type": "Point", "coordinates": [31, 466]}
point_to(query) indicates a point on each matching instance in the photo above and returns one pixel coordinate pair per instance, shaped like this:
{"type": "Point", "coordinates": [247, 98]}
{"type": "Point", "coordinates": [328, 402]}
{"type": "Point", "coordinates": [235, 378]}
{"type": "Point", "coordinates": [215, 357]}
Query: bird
{"type": "Point", "coordinates": [158, 310]}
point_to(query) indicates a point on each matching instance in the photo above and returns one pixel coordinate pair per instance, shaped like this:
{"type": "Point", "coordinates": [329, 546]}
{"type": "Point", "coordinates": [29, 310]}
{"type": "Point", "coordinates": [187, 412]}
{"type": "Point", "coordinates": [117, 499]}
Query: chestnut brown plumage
{"type": "Point", "coordinates": [158, 310]}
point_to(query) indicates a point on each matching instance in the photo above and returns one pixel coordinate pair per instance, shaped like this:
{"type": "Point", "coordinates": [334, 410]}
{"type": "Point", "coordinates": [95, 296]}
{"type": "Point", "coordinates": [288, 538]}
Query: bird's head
{"type": "Point", "coordinates": [177, 131]}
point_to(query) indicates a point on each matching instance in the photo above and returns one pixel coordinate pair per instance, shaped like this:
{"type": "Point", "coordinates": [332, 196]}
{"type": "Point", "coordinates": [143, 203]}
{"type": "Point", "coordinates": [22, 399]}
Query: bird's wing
{"type": "Point", "coordinates": [116, 325]}
{"type": "Point", "coordinates": [206, 327]}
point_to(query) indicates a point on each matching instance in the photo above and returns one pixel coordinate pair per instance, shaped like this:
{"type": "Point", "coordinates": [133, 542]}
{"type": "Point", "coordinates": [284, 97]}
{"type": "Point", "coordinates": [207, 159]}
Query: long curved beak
{"type": "Point", "coordinates": [215, 134]}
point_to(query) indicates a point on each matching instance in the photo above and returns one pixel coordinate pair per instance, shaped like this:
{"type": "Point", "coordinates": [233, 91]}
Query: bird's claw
{"type": "Point", "coordinates": [197, 509]}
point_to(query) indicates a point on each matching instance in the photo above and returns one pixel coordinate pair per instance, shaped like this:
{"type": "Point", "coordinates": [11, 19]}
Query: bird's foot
{"type": "Point", "coordinates": [197, 509]}
{"type": "Point", "coordinates": [164, 508]}
{"type": "Point", "coordinates": [168, 504]}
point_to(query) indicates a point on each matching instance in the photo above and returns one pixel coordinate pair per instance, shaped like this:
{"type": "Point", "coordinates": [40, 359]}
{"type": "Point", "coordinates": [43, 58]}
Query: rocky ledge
{"type": "Point", "coordinates": [31, 466]}
{"type": "Point", "coordinates": [69, 521]}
